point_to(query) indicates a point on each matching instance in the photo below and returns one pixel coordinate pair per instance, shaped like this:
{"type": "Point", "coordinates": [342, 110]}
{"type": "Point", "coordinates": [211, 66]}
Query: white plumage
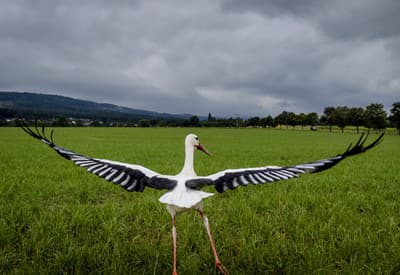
{"type": "Point", "coordinates": [181, 197]}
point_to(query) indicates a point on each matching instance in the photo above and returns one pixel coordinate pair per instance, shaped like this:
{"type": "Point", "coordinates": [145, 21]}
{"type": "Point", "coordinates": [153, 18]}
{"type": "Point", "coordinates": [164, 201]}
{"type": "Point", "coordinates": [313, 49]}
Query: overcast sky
{"type": "Point", "coordinates": [229, 57]}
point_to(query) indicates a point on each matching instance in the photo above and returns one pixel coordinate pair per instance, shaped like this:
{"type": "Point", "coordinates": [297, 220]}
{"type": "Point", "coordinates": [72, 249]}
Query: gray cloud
{"type": "Point", "coordinates": [355, 19]}
{"type": "Point", "coordinates": [227, 58]}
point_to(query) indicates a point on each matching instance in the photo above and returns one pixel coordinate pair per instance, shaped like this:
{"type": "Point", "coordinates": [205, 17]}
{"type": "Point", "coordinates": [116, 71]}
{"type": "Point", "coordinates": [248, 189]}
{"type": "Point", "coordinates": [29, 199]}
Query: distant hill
{"type": "Point", "coordinates": [44, 105]}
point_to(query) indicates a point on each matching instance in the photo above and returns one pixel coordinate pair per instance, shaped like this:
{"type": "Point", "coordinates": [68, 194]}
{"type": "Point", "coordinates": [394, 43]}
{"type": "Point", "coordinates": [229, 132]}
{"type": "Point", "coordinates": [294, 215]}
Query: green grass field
{"type": "Point", "coordinates": [56, 218]}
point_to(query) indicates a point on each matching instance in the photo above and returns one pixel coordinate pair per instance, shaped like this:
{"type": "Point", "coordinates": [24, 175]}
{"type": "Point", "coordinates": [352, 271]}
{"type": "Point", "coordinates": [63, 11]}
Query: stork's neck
{"type": "Point", "coordinates": [188, 169]}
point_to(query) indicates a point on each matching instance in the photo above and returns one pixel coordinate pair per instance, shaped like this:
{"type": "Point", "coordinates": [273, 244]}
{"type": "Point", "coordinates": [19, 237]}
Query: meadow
{"type": "Point", "coordinates": [56, 218]}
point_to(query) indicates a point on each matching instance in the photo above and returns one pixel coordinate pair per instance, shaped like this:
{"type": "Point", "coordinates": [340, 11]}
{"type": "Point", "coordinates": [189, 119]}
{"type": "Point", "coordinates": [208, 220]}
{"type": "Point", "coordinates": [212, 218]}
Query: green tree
{"type": "Point", "coordinates": [61, 122]}
{"type": "Point", "coordinates": [253, 121]}
{"type": "Point", "coordinates": [194, 121]}
{"type": "Point", "coordinates": [327, 117]}
{"type": "Point", "coordinates": [302, 119]}
{"type": "Point", "coordinates": [292, 119]}
{"type": "Point", "coordinates": [356, 117]}
{"type": "Point", "coordinates": [267, 121]}
{"type": "Point", "coordinates": [312, 119]}
{"type": "Point", "coordinates": [282, 119]}
{"type": "Point", "coordinates": [162, 123]}
{"type": "Point", "coordinates": [340, 117]}
{"type": "Point", "coordinates": [144, 123]}
{"type": "Point", "coordinates": [238, 122]}
{"type": "Point", "coordinates": [395, 115]}
{"type": "Point", "coordinates": [375, 117]}
{"type": "Point", "coordinates": [210, 117]}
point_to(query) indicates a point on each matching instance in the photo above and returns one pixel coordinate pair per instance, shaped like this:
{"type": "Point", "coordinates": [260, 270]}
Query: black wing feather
{"type": "Point", "coordinates": [131, 178]}
{"type": "Point", "coordinates": [231, 179]}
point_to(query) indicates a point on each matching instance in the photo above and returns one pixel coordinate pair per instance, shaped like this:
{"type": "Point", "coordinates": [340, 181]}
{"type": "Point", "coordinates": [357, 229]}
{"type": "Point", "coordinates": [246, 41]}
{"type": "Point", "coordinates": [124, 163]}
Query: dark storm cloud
{"type": "Point", "coordinates": [228, 57]}
{"type": "Point", "coordinates": [367, 19]}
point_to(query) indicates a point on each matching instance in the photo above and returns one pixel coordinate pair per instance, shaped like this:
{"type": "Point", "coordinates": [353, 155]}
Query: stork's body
{"type": "Point", "coordinates": [184, 188]}
{"type": "Point", "coordinates": [182, 198]}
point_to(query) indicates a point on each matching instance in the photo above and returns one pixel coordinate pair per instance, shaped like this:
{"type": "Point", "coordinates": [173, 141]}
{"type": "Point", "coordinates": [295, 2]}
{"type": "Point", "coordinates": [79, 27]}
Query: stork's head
{"type": "Point", "coordinates": [193, 140]}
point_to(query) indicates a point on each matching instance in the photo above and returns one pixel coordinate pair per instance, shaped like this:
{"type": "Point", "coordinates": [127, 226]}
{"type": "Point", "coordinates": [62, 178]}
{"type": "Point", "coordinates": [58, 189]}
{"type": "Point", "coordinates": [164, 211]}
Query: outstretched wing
{"type": "Point", "coordinates": [130, 177]}
{"type": "Point", "coordinates": [231, 179]}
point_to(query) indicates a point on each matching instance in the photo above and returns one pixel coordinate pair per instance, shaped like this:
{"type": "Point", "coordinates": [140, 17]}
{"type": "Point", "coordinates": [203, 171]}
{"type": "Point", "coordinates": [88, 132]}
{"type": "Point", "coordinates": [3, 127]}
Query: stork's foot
{"type": "Point", "coordinates": [221, 268]}
{"type": "Point", "coordinates": [174, 272]}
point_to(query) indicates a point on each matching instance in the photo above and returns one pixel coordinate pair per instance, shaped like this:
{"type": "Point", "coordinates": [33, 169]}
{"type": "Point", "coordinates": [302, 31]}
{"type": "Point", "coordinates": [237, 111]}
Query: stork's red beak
{"type": "Point", "coordinates": [202, 148]}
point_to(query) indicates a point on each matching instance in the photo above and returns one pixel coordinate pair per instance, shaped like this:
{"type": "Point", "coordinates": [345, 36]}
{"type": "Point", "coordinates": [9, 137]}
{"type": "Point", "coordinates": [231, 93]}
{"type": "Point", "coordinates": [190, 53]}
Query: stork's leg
{"type": "Point", "coordinates": [174, 245]}
{"type": "Point", "coordinates": [222, 269]}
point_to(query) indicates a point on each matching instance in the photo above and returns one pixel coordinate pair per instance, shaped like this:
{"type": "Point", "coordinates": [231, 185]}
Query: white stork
{"type": "Point", "coordinates": [184, 188]}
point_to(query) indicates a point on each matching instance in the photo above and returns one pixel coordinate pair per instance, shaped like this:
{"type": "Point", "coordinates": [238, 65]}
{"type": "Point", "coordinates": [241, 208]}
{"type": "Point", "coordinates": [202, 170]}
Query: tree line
{"type": "Point", "coordinates": [372, 116]}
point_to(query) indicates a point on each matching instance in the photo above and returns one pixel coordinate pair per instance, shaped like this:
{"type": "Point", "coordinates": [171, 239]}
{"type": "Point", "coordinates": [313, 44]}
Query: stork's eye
{"type": "Point", "coordinates": [196, 138]}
